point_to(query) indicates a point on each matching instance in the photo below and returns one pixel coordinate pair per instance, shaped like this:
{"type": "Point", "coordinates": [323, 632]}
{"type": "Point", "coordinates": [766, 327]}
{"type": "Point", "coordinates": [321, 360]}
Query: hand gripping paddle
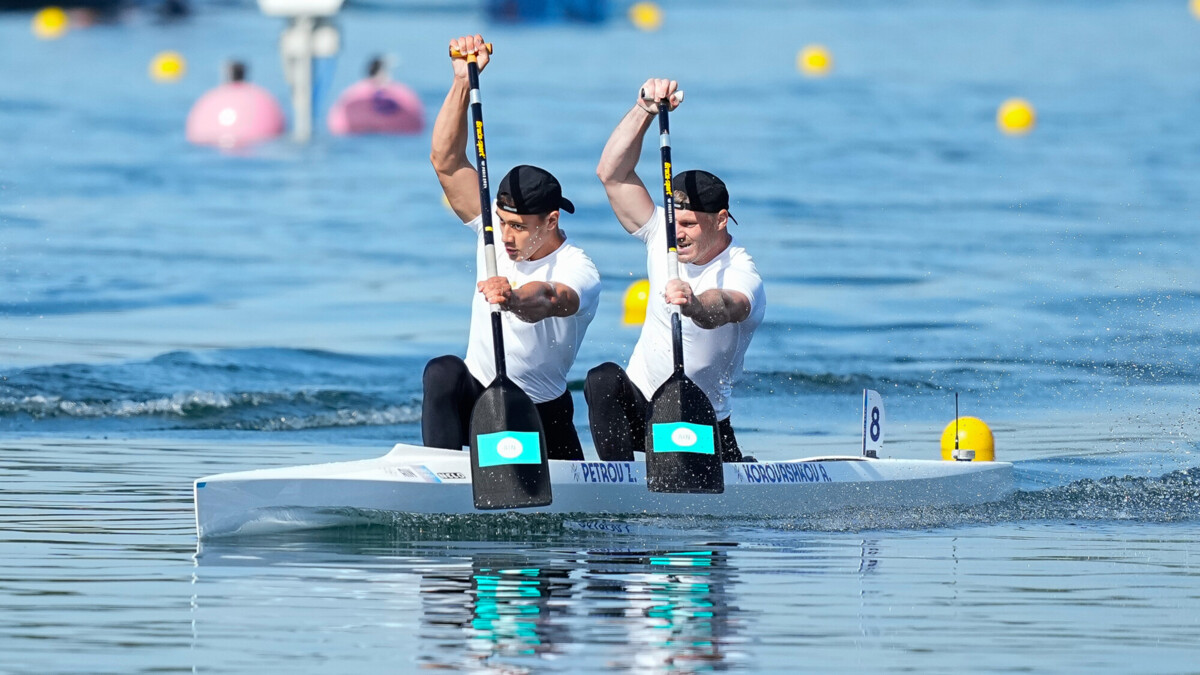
{"type": "Point", "coordinates": [683, 448]}
{"type": "Point", "coordinates": [509, 468]}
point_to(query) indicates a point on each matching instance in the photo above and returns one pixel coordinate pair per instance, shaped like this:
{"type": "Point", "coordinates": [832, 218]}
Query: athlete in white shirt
{"type": "Point", "coordinates": [719, 292]}
{"type": "Point", "coordinates": [547, 288]}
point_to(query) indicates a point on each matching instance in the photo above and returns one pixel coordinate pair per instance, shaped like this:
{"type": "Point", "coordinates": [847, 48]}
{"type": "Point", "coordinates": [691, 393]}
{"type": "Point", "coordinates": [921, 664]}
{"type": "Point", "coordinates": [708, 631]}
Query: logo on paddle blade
{"type": "Point", "coordinates": [509, 447]}
{"type": "Point", "coordinates": [684, 437]}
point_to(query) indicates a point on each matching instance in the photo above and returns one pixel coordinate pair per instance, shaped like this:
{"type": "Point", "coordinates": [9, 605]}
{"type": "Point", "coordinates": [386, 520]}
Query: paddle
{"type": "Point", "coordinates": [509, 468]}
{"type": "Point", "coordinates": [683, 448]}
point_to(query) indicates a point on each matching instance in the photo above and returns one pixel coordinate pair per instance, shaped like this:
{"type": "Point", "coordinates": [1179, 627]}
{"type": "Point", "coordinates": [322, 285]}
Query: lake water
{"type": "Point", "coordinates": [169, 312]}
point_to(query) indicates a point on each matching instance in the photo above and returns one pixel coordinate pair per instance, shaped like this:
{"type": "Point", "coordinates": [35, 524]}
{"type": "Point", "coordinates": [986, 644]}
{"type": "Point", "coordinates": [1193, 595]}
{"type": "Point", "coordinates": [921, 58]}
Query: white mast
{"type": "Point", "coordinates": [310, 33]}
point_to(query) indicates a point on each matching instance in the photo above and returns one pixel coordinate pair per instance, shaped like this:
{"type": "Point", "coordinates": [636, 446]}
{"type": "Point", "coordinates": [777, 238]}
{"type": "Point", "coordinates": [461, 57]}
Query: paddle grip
{"type": "Point", "coordinates": [455, 54]}
{"type": "Point", "coordinates": [677, 97]}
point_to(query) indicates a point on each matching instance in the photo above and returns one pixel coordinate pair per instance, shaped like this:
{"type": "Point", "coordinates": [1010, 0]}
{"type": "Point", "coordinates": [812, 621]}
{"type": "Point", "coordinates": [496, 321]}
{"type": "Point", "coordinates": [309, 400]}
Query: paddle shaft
{"type": "Point", "coordinates": [485, 208]}
{"type": "Point", "coordinates": [664, 144]}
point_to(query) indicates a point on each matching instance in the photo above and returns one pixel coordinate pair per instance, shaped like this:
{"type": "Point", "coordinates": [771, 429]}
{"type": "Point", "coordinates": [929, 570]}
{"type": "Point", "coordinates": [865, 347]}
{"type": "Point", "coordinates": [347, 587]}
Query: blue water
{"type": "Point", "coordinates": [168, 312]}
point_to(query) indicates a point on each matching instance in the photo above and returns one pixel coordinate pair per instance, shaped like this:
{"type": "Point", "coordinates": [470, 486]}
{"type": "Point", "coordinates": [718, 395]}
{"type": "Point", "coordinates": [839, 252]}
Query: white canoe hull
{"type": "Point", "coordinates": [426, 481]}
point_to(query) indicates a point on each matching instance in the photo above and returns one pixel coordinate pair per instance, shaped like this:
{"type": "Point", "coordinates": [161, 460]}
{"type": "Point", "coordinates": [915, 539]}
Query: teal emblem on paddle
{"type": "Point", "coordinates": [684, 437]}
{"type": "Point", "coordinates": [509, 447]}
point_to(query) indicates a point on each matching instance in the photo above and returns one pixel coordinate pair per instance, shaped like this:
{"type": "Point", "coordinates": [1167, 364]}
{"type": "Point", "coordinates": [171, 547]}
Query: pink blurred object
{"type": "Point", "coordinates": [374, 107]}
{"type": "Point", "coordinates": [233, 115]}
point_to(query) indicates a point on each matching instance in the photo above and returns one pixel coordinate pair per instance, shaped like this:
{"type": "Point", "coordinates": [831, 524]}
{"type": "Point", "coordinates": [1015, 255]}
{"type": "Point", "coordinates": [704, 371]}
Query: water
{"type": "Point", "coordinates": [168, 312]}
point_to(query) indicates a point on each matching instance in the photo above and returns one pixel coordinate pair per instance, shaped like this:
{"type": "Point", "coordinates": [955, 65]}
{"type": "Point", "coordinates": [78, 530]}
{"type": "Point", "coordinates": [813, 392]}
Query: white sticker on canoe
{"type": "Point", "coordinates": [418, 474]}
{"type": "Point", "coordinates": [404, 473]}
{"type": "Point", "coordinates": [781, 472]}
{"type": "Point", "coordinates": [603, 472]}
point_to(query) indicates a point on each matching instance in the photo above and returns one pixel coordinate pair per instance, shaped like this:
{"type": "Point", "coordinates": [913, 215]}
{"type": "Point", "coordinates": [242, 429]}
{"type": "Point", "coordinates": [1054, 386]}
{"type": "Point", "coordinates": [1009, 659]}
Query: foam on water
{"type": "Point", "coordinates": [254, 390]}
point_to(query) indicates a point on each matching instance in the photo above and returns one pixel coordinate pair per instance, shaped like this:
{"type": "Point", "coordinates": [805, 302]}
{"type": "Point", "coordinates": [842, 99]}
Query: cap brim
{"type": "Point", "coordinates": [566, 205]}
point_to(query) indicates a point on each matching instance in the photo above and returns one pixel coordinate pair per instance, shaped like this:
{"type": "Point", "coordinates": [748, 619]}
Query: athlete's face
{"type": "Point", "coordinates": [700, 237]}
{"type": "Point", "coordinates": [528, 237]}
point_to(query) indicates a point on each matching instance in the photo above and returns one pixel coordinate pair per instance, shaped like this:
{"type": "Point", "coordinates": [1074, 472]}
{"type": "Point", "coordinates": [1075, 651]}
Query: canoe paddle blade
{"type": "Point", "coordinates": [509, 467]}
{"type": "Point", "coordinates": [683, 447]}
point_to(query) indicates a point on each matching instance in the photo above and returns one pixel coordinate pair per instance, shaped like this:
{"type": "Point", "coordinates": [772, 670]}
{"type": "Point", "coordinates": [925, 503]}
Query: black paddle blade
{"type": "Point", "coordinates": [508, 450]}
{"type": "Point", "coordinates": [683, 448]}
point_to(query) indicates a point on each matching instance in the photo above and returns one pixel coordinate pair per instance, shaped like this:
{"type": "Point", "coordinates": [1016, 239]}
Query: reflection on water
{"type": "Point", "coordinates": [494, 609]}
{"type": "Point", "coordinates": [516, 612]}
{"type": "Point", "coordinates": [683, 612]}
{"type": "Point", "coordinates": [609, 603]}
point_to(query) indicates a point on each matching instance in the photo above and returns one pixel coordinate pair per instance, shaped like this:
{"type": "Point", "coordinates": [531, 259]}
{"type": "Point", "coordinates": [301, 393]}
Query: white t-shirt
{"type": "Point", "coordinates": [712, 358]}
{"type": "Point", "coordinates": [538, 355]}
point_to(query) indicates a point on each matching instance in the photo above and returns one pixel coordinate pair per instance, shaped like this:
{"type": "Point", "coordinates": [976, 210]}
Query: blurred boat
{"type": "Point", "coordinates": [547, 11]}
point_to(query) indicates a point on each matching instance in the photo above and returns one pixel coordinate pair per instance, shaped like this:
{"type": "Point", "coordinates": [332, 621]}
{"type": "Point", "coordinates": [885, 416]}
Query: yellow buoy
{"type": "Point", "coordinates": [973, 434]}
{"type": "Point", "coordinates": [168, 67]}
{"type": "Point", "coordinates": [50, 23]}
{"type": "Point", "coordinates": [1016, 116]}
{"type": "Point", "coordinates": [446, 202]}
{"type": "Point", "coordinates": [1195, 4]}
{"type": "Point", "coordinates": [814, 61]}
{"type": "Point", "coordinates": [634, 303]}
{"type": "Point", "coordinates": [646, 16]}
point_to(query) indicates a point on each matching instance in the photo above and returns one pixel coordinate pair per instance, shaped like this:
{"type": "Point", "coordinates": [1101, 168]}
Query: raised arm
{"type": "Point", "coordinates": [631, 201]}
{"type": "Point", "coordinates": [448, 154]}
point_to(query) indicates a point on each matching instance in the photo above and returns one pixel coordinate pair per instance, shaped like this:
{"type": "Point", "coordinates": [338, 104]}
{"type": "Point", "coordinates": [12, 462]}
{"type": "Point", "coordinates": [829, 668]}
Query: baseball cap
{"type": "Point", "coordinates": [533, 191]}
{"type": "Point", "coordinates": [703, 191]}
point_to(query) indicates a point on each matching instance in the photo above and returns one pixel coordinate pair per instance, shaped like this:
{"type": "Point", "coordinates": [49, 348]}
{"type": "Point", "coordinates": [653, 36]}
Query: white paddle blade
{"type": "Point", "coordinates": [873, 421]}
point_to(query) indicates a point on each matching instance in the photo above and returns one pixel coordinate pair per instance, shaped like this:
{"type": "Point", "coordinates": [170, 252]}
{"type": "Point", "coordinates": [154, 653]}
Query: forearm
{"type": "Point", "coordinates": [711, 309]}
{"type": "Point", "coordinates": [449, 145]}
{"type": "Point", "coordinates": [537, 300]}
{"type": "Point", "coordinates": [532, 302]}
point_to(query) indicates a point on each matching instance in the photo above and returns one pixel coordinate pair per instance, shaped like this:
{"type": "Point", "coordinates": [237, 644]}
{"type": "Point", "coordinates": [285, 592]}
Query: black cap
{"type": "Point", "coordinates": [702, 191]}
{"type": "Point", "coordinates": [532, 191]}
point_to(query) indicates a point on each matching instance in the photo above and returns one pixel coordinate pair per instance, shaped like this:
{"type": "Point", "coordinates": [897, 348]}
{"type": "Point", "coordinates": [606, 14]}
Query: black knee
{"type": "Point", "coordinates": [443, 372]}
{"type": "Point", "coordinates": [602, 381]}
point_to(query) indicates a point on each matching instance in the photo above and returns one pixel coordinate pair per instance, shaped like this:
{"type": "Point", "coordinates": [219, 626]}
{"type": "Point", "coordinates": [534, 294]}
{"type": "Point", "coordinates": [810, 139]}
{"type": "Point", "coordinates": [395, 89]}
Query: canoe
{"type": "Point", "coordinates": [420, 481]}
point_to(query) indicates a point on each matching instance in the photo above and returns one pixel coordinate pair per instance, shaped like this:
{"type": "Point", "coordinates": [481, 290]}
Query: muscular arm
{"type": "Point", "coordinates": [448, 154]}
{"type": "Point", "coordinates": [630, 200]}
{"type": "Point", "coordinates": [533, 301]}
{"type": "Point", "coordinates": [715, 308]}
{"type": "Point", "coordinates": [459, 181]}
{"type": "Point", "coordinates": [541, 300]}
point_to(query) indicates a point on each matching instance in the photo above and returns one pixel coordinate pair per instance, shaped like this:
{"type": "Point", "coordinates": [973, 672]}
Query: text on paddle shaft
{"type": "Point", "coordinates": [805, 472]}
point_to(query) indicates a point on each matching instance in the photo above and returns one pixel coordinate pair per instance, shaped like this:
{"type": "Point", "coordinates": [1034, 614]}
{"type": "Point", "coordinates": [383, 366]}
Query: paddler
{"type": "Point", "coordinates": [546, 287]}
{"type": "Point", "coordinates": [719, 292]}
